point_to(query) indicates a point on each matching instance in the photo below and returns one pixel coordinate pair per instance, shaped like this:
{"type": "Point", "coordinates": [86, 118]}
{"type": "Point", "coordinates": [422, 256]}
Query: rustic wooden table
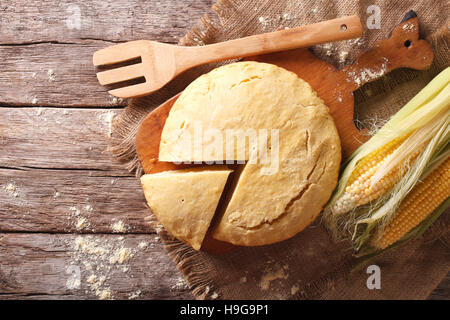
{"type": "Point", "coordinates": [71, 218]}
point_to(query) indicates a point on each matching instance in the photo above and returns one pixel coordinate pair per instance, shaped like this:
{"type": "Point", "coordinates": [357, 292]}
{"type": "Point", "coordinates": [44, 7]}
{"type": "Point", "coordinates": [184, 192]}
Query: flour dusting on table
{"type": "Point", "coordinates": [101, 258]}
{"type": "Point", "coordinates": [271, 274]}
{"type": "Point", "coordinates": [11, 189]}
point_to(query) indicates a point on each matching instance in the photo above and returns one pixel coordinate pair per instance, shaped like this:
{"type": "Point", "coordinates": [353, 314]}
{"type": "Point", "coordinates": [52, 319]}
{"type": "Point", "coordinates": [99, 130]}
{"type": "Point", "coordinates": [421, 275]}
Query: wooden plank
{"type": "Point", "coordinates": [63, 266]}
{"type": "Point", "coordinates": [57, 138]}
{"type": "Point", "coordinates": [55, 175]}
{"type": "Point", "coordinates": [49, 74]}
{"type": "Point", "coordinates": [80, 201]}
{"type": "Point", "coordinates": [107, 20]}
{"type": "Point", "coordinates": [47, 59]}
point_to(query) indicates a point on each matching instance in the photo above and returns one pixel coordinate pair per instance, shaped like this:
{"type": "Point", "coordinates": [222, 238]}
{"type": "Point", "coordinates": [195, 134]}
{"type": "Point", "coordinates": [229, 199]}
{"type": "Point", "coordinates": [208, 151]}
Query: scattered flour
{"type": "Point", "coordinates": [100, 258]}
{"type": "Point", "coordinates": [116, 100]}
{"type": "Point", "coordinates": [409, 27]}
{"type": "Point", "coordinates": [355, 42]}
{"type": "Point", "coordinates": [39, 111]}
{"type": "Point", "coordinates": [339, 97]}
{"type": "Point", "coordinates": [75, 211]}
{"type": "Point", "coordinates": [87, 265]}
{"type": "Point", "coordinates": [277, 21]}
{"type": "Point", "coordinates": [90, 247]}
{"type": "Point", "coordinates": [104, 294]}
{"type": "Point", "coordinates": [134, 295]}
{"type": "Point", "coordinates": [294, 289]}
{"type": "Point", "coordinates": [51, 75]}
{"type": "Point", "coordinates": [121, 256]}
{"type": "Point", "coordinates": [109, 118]}
{"type": "Point", "coordinates": [343, 56]}
{"type": "Point", "coordinates": [368, 74]}
{"type": "Point", "coordinates": [143, 245]}
{"type": "Point", "coordinates": [73, 283]}
{"type": "Point", "coordinates": [263, 22]}
{"type": "Point", "coordinates": [11, 189]}
{"type": "Point", "coordinates": [215, 295]}
{"type": "Point", "coordinates": [327, 48]}
{"type": "Point", "coordinates": [82, 223]}
{"type": "Point", "coordinates": [119, 227]}
{"type": "Point", "coordinates": [271, 275]}
{"type": "Point", "coordinates": [92, 279]}
{"type": "Point", "coordinates": [181, 284]}
{"type": "Point", "coordinates": [79, 216]}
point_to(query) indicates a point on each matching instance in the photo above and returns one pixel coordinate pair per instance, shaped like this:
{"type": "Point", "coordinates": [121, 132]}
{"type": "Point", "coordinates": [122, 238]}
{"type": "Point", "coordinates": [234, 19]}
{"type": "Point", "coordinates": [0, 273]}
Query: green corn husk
{"type": "Point", "coordinates": [365, 231]}
{"type": "Point", "coordinates": [384, 214]}
{"type": "Point", "coordinates": [425, 120]}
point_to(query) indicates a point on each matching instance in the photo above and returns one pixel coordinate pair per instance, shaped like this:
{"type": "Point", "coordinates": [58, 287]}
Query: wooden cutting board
{"type": "Point", "coordinates": [402, 50]}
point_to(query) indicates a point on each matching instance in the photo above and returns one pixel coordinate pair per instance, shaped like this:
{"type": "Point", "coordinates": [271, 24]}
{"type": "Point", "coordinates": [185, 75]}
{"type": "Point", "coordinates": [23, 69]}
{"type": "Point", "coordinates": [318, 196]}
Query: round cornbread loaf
{"type": "Point", "coordinates": [280, 192]}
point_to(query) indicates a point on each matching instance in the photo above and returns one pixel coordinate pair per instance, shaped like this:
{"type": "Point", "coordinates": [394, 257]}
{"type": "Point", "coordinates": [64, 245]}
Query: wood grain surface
{"type": "Point", "coordinates": [63, 200]}
{"type": "Point", "coordinates": [47, 47]}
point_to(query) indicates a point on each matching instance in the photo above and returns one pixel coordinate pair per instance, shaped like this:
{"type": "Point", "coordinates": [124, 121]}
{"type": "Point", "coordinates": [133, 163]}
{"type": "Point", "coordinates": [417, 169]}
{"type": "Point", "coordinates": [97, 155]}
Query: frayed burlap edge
{"type": "Point", "coordinates": [191, 263]}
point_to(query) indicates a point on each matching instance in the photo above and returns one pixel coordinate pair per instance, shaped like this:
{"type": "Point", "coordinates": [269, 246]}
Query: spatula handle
{"type": "Point", "coordinates": [344, 28]}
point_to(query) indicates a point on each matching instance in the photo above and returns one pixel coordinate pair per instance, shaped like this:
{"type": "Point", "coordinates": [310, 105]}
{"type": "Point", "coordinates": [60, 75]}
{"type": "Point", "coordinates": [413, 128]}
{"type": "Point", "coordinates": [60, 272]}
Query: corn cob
{"type": "Point", "coordinates": [360, 188]}
{"type": "Point", "coordinates": [382, 172]}
{"type": "Point", "coordinates": [425, 197]}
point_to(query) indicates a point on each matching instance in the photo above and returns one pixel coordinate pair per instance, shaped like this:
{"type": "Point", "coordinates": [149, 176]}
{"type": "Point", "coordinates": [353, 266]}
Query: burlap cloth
{"type": "Point", "coordinates": [309, 265]}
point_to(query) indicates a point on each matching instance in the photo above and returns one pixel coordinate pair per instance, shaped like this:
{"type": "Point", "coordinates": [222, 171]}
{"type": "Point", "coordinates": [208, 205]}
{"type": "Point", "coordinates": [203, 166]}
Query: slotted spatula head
{"type": "Point", "coordinates": [141, 67]}
{"type": "Point", "coordinates": [149, 65]}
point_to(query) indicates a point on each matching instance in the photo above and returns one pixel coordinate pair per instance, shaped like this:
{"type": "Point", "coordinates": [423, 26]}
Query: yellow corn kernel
{"type": "Point", "coordinates": [424, 198]}
{"type": "Point", "coordinates": [360, 189]}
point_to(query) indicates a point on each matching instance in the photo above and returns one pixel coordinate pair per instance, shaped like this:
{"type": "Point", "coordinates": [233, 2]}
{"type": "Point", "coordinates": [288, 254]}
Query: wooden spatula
{"type": "Point", "coordinates": [155, 64]}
